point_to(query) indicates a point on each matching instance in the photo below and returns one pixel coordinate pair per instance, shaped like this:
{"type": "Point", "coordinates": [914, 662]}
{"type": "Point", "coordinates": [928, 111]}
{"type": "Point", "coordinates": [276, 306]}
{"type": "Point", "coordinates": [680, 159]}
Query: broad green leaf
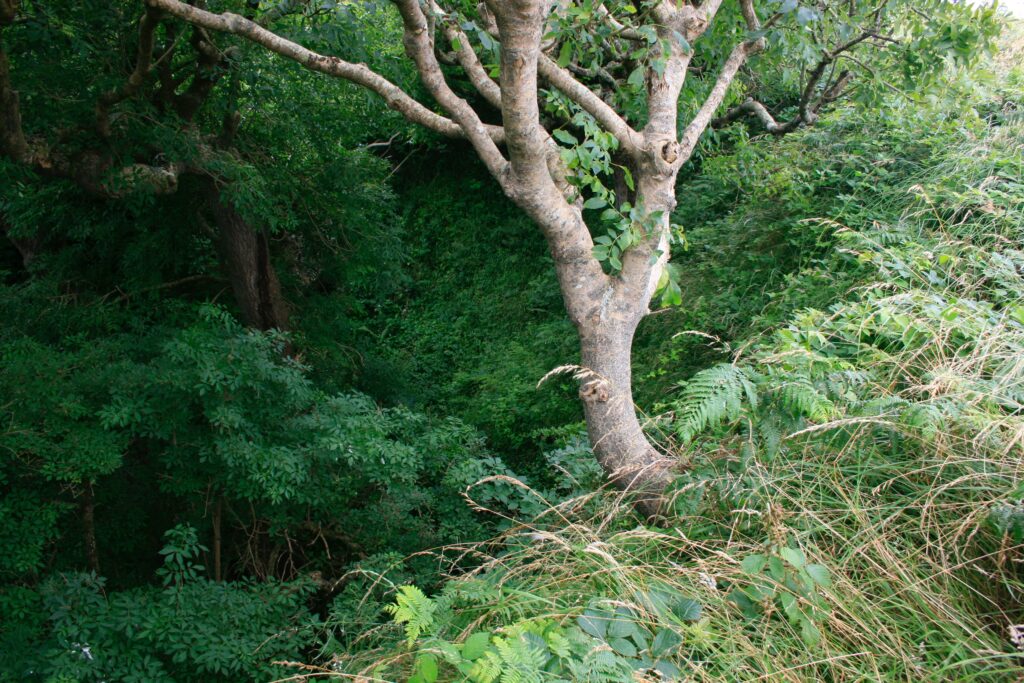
{"type": "Point", "coordinates": [565, 54]}
{"type": "Point", "coordinates": [687, 609]}
{"type": "Point", "coordinates": [594, 622]}
{"type": "Point", "coordinates": [623, 623]}
{"type": "Point", "coordinates": [622, 646]}
{"type": "Point", "coordinates": [809, 633]}
{"type": "Point", "coordinates": [753, 564]}
{"type": "Point", "coordinates": [426, 665]}
{"type": "Point", "coordinates": [636, 77]}
{"type": "Point", "coordinates": [789, 605]}
{"type": "Point", "coordinates": [665, 640]}
{"type": "Point", "coordinates": [793, 556]}
{"type": "Point", "coordinates": [565, 136]}
{"type": "Point", "coordinates": [683, 42]}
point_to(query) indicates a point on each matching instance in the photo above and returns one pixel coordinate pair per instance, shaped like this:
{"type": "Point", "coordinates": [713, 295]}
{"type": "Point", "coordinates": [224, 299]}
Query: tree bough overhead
{"type": "Point", "coordinates": [614, 74]}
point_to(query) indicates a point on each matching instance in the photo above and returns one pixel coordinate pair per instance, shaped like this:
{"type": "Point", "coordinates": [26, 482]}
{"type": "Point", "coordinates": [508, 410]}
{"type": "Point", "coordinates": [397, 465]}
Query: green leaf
{"type": "Point", "coordinates": [565, 54]}
{"type": "Point", "coordinates": [809, 633]}
{"type": "Point", "coordinates": [806, 15]}
{"type": "Point", "coordinates": [789, 605]}
{"type": "Point", "coordinates": [426, 666]}
{"type": "Point", "coordinates": [594, 622]}
{"type": "Point", "coordinates": [623, 647]}
{"type": "Point", "coordinates": [595, 203]}
{"type": "Point", "coordinates": [683, 42]}
{"type": "Point", "coordinates": [636, 77]}
{"type": "Point", "coordinates": [793, 556]}
{"type": "Point", "coordinates": [753, 564]}
{"type": "Point", "coordinates": [819, 574]}
{"type": "Point", "coordinates": [669, 670]}
{"type": "Point", "coordinates": [564, 136]}
{"type": "Point", "coordinates": [665, 640]}
{"type": "Point", "coordinates": [687, 609]}
{"type": "Point", "coordinates": [623, 624]}
{"type": "Point", "coordinates": [476, 645]}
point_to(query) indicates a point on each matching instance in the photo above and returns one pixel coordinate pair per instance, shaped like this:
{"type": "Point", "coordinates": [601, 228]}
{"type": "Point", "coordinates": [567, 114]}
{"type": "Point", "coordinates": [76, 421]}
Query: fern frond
{"type": "Point", "coordinates": [414, 609]}
{"type": "Point", "coordinates": [802, 398]}
{"type": "Point", "coordinates": [713, 396]}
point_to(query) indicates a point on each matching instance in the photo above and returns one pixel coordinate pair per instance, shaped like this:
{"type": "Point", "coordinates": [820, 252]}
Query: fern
{"type": "Point", "coordinates": [924, 418]}
{"type": "Point", "coordinates": [802, 398]}
{"type": "Point", "coordinates": [487, 668]}
{"type": "Point", "coordinates": [522, 662]}
{"type": "Point", "coordinates": [414, 609]}
{"type": "Point", "coordinates": [713, 396]}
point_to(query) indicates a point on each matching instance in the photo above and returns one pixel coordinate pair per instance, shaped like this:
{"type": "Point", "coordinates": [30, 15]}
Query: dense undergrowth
{"type": "Point", "coordinates": [851, 508]}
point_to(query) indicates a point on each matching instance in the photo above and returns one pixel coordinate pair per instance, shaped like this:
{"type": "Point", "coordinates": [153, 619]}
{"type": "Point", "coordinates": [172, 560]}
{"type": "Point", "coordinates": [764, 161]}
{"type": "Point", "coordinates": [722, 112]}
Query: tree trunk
{"type": "Point", "coordinates": [246, 254]}
{"type": "Point", "coordinates": [92, 554]}
{"type": "Point", "coordinates": [28, 247]}
{"type": "Point", "coordinates": [616, 436]}
{"type": "Point", "coordinates": [218, 518]}
{"type": "Point", "coordinates": [605, 310]}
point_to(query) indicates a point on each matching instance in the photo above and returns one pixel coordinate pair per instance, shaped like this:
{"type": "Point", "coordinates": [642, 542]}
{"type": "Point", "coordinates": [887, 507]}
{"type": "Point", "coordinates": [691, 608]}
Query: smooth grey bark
{"type": "Point", "coordinates": [615, 432]}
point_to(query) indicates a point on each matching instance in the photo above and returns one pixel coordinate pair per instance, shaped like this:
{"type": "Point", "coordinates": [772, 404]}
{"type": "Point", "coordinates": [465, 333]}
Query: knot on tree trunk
{"type": "Point", "coordinates": [670, 151]}
{"type": "Point", "coordinates": [595, 391]}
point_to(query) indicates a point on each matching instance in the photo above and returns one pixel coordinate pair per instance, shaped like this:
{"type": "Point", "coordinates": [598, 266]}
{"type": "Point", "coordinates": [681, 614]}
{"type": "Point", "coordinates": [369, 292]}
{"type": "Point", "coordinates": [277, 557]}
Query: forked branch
{"type": "Point", "coordinates": [811, 101]}
{"type": "Point", "coordinates": [359, 74]}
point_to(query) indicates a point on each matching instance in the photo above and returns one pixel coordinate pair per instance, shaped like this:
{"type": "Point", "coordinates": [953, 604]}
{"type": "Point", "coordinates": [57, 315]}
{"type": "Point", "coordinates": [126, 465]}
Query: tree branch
{"type": "Point", "coordinates": [12, 137]}
{"type": "Point", "coordinates": [469, 61]}
{"type": "Point", "coordinates": [143, 63]}
{"type": "Point", "coordinates": [419, 46]}
{"type": "Point", "coordinates": [359, 74]}
{"type": "Point", "coordinates": [752, 107]}
{"type": "Point", "coordinates": [809, 106]}
{"type": "Point", "coordinates": [91, 170]}
{"type": "Point", "coordinates": [532, 183]}
{"type": "Point", "coordinates": [736, 59]}
{"type": "Point", "coordinates": [563, 80]}
{"type": "Point", "coordinates": [621, 30]}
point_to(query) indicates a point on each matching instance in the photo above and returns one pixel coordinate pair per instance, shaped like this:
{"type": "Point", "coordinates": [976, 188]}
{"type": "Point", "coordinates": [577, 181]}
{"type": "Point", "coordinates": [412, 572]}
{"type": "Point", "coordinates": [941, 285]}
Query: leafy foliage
{"type": "Point", "coordinates": [193, 626]}
{"type": "Point", "coordinates": [851, 435]}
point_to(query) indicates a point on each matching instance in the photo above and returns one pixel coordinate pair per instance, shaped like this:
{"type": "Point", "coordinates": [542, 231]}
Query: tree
{"type": "Point", "coordinates": [613, 72]}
